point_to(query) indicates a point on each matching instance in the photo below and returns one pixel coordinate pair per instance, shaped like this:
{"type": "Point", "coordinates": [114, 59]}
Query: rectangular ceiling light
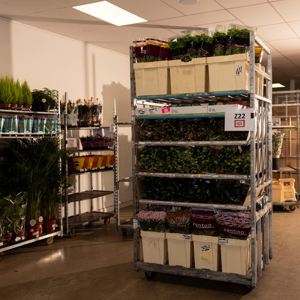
{"type": "Point", "coordinates": [110, 13]}
{"type": "Point", "coordinates": [277, 85]}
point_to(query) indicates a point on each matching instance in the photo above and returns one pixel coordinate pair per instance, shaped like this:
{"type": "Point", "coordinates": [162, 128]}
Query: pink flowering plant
{"type": "Point", "coordinates": [152, 220]}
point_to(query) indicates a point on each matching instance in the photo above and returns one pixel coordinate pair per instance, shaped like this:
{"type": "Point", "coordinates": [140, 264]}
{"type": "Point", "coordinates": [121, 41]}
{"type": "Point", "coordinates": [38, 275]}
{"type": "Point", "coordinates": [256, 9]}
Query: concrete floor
{"type": "Point", "coordinates": [98, 265]}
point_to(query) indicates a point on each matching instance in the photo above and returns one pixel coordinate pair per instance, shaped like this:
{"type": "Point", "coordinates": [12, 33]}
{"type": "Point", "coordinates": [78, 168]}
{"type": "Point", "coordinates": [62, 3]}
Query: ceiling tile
{"type": "Point", "coordinates": [198, 19]}
{"type": "Point", "coordinates": [287, 47]}
{"type": "Point", "coordinates": [296, 27]}
{"type": "Point", "coordinates": [256, 15]}
{"type": "Point", "coordinates": [239, 3]}
{"type": "Point", "coordinates": [276, 32]}
{"type": "Point", "coordinates": [201, 6]}
{"type": "Point", "coordinates": [114, 46]}
{"type": "Point", "coordinates": [64, 14]}
{"type": "Point", "coordinates": [63, 28]}
{"type": "Point", "coordinates": [227, 24]}
{"type": "Point", "coordinates": [289, 9]}
{"type": "Point", "coordinates": [150, 10]}
{"type": "Point", "coordinates": [295, 59]}
{"type": "Point", "coordinates": [20, 7]}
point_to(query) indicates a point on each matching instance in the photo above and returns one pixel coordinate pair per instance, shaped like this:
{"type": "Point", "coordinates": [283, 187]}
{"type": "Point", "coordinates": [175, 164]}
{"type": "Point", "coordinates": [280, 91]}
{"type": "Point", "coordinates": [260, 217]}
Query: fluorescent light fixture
{"type": "Point", "coordinates": [110, 13]}
{"type": "Point", "coordinates": [277, 85]}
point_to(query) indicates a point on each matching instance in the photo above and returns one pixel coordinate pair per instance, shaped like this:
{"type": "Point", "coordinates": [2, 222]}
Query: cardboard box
{"type": "Point", "coordinates": [187, 77]}
{"type": "Point", "coordinates": [151, 78]}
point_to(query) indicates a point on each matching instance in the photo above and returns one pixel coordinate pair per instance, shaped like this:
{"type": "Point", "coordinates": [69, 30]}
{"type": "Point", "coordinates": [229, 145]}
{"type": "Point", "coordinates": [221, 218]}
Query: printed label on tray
{"type": "Point", "coordinates": [135, 223]}
{"type": "Point", "coordinates": [187, 236]}
{"type": "Point", "coordinates": [205, 247]}
{"type": "Point", "coordinates": [239, 119]}
{"type": "Point", "coordinates": [206, 253]}
{"type": "Point", "coordinates": [166, 109]}
{"type": "Point", "coordinates": [223, 241]}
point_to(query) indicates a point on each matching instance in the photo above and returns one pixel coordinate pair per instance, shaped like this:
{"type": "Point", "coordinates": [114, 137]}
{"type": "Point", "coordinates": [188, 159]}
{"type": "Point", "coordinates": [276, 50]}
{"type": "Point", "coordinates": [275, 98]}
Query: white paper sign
{"type": "Point", "coordinates": [239, 119]}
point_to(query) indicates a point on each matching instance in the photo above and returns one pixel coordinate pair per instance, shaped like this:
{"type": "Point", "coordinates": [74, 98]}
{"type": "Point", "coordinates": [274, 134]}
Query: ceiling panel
{"type": "Point", "coordinates": [287, 47]}
{"type": "Point", "coordinates": [65, 14]}
{"type": "Point", "coordinates": [21, 7]}
{"type": "Point", "coordinates": [198, 19]}
{"type": "Point", "coordinates": [125, 34]}
{"type": "Point", "coordinates": [295, 59]}
{"type": "Point", "coordinates": [114, 46]}
{"type": "Point", "coordinates": [64, 28]}
{"type": "Point", "coordinates": [276, 32]}
{"type": "Point", "coordinates": [150, 10]}
{"type": "Point", "coordinates": [201, 6]}
{"type": "Point", "coordinates": [239, 3]}
{"type": "Point", "coordinates": [296, 27]}
{"type": "Point", "coordinates": [289, 9]}
{"type": "Point", "coordinates": [257, 15]}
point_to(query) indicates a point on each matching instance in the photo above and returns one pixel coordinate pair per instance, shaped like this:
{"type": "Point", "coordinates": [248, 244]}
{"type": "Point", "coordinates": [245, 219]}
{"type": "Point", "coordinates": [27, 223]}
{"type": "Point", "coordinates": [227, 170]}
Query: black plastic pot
{"type": "Point", "coordinates": [275, 163]}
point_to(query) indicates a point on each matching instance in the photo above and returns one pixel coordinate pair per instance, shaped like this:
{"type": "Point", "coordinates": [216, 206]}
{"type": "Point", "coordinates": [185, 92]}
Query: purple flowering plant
{"type": "Point", "coordinates": [152, 220]}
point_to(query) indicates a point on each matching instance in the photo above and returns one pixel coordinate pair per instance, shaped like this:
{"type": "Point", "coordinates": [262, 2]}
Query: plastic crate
{"type": "Point", "coordinates": [151, 78]}
{"type": "Point", "coordinates": [288, 186]}
{"type": "Point", "coordinates": [228, 73]}
{"type": "Point", "coordinates": [277, 192]}
{"type": "Point", "coordinates": [206, 252]}
{"type": "Point", "coordinates": [235, 255]}
{"type": "Point", "coordinates": [187, 77]}
{"type": "Point", "coordinates": [154, 247]}
{"type": "Point", "coordinates": [180, 249]}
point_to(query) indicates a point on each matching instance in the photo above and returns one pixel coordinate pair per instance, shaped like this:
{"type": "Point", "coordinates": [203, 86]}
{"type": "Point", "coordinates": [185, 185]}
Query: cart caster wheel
{"type": "Point", "coordinates": [149, 275]}
{"type": "Point", "coordinates": [292, 207]}
{"type": "Point", "coordinates": [49, 241]}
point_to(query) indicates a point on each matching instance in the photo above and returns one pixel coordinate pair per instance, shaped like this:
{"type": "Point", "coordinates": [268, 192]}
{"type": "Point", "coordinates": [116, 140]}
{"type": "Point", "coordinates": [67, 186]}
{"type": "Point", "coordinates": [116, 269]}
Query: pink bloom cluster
{"type": "Point", "coordinates": [156, 216]}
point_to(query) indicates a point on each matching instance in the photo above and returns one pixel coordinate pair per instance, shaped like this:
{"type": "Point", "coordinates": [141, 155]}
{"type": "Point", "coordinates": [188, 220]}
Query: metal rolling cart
{"type": "Point", "coordinates": [122, 223]}
{"type": "Point", "coordinates": [286, 118]}
{"type": "Point", "coordinates": [78, 218]}
{"type": "Point", "coordinates": [49, 238]}
{"type": "Point", "coordinates": [259, 179]}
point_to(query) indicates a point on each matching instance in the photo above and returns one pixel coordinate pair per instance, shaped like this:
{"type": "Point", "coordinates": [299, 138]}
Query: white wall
{"type": "Point", "coordinates": [5, 48]}
{"type": "Point", "coordinates": [50, 60]}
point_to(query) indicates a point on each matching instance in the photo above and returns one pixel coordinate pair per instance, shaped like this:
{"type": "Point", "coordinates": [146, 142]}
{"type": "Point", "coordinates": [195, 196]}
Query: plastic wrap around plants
{"type": "Point", "coordinates": [277, 141]}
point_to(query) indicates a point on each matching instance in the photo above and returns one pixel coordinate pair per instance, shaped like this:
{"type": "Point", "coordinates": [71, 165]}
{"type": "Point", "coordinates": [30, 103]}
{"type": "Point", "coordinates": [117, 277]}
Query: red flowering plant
{"type": "Point", "coordinates": [179, 222]}
{"type": "Point", "coordinates": [233, 224]}
{"type": "Point", "coordinates": [152, 220]}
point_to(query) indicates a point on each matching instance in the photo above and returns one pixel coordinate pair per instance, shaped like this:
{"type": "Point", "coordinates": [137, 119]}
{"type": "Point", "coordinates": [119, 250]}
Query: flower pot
{"type": "Point", "coordinates": [49, 225]}
{"type": "Point", "coordinates": [275, 163]}
{"type": "Point", "coordinates": [5, 105]}
{"type": "Point", "coordinates": [33, 229]}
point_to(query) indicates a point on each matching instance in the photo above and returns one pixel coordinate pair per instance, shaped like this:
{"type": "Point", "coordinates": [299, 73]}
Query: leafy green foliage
{"type": "Point", "coordinates": [45, 99]}
{"type": "Point", "coordinates": [194, 190]}
{"type": "Point", "coordinates": [205, 129]}
{"type": "Point", "coordinates": [27, 96]}
{"type": "Point", "coordinates": [32, 166]}
{"type": "Point", "coordinates": [5, 91]}
{"type": "Point", "coordinates": [195, 160]}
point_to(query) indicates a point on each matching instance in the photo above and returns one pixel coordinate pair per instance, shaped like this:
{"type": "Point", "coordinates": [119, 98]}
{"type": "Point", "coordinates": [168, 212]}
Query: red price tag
{"type": "Point", "coordinates": [166, 109]}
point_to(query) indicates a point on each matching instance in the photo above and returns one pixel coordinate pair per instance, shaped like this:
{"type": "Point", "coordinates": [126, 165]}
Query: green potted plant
{"type": "Point", "coordinates": [219, 43]}
{"type": "Point", "coordinates": [43, 100]}
{"type": "Point", "coordinates": [39, 176]}
{"type": "Point", "coordinates": [5, 93]}
{"type": "Point", "coordinates": [18, 94]}
{"type": "Point", "coordinates": [203, 44]}
{"type": "Point", "coordinates": [238, 41]}
{"type": "Point", "coordinates": [14, 92]}
{"type": "Point", "coordinates": [277, 141]}
{"type": "Point", "coordinates": [27, 96]}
